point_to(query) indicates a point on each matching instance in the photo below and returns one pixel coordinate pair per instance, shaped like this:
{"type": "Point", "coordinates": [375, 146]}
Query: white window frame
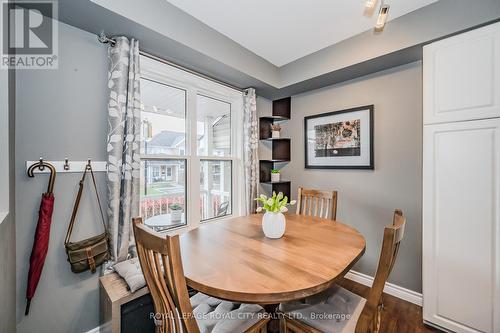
{"type": "Point", "coordinates": [195, 85]}
{"type": "Point", "coordinates": [4, 145]}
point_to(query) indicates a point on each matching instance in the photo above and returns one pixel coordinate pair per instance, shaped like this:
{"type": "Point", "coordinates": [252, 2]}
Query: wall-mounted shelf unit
{"type": "Point", "coordinates": [280, 147]}
{"type": "Point", "coordinates": [280, 182]}
{"type": "Point", "coordinates": [275, 161]}
{"type": "Point", "coordinates": [276, 139]}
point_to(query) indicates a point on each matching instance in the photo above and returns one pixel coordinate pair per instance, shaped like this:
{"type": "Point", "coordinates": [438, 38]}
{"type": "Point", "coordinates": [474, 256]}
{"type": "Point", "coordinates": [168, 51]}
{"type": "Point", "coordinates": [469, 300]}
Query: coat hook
{"type": "Point", "coordinates": [66, 164]}
{"type": "Point", "coordinates": [40, 164]}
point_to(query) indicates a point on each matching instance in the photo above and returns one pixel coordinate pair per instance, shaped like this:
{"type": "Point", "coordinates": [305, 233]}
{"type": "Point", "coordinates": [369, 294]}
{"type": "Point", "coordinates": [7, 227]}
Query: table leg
{"type": "Point", "coordinates": [274, 324]}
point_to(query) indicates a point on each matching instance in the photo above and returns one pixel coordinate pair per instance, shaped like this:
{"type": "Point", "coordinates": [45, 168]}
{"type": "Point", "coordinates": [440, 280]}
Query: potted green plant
{"type": "Point", "coordinates": [175, 212]}
{"type": "Point", "coordinates": [275, 175]}
{"type": "Point", "coordinates": [273, 221]}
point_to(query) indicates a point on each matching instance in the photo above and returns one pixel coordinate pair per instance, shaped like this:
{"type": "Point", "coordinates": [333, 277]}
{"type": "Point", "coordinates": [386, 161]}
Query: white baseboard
{"type": "Point", "coordinates": [391, 289]}
{"type": "Point", "coordinates": [95, 330]}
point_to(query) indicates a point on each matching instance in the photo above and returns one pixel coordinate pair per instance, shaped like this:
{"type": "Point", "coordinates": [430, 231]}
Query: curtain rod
{"type": "Point", "coordinates": [111, 41]}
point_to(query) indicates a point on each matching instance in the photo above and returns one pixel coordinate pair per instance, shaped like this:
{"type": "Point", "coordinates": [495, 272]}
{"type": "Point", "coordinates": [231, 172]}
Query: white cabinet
{"type": "Point", "coordinates": [461, 238]}
{"type": "Point", "coordinates": [462, 77]}
{"type": "Point", "coordinates": [461, 182]}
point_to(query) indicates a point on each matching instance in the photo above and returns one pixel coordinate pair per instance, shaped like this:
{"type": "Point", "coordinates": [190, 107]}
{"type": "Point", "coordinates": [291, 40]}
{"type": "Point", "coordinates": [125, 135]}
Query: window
{"type": "Point", "coordinates": [163, 119]}
{"type": "Point", "coordinates": [215, 188]}
{"type": "Point", "coordinates": [190, 147]}
{"type": "Point", "coordinates": [156, 171]}
{"type": "Point", "coordinates": [214, 126]}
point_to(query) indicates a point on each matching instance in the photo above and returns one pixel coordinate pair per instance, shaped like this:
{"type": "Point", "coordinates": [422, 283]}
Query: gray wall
{"type": "Point", "coordinates": [367, 198]}
{"type": "Point", "coordinates": [176, 24]}
{"type": "Point", "coordinates": [7, 226]}
{"type": "Point", "coordinates": [437, 20]}
{"type": "Point", "coordinates": [7, 275]}
{"type": "Point", "coordinates": [60, 113]}
{"type": "Point", "coordinates": [170, 33]}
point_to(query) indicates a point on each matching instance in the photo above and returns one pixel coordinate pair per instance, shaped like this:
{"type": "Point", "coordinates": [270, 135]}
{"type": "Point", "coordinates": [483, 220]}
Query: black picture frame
{"type": "Point", "coordinates": [371, 166]}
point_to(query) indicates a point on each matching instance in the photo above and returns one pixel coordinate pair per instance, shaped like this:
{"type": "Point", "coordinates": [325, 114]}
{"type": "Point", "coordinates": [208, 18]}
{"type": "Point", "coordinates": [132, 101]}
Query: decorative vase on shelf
{"type": "Point", "coordinates": [275, 177]}
{"type": "Point", "coordinates": [275, 131]}
{"type": "Point", "coordinates": [273, 225]}
{"type": "Point", "coordinates": [273, 221]}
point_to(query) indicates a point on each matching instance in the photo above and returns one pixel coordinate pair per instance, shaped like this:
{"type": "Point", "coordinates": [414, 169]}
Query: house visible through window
{"type": "Point", "coordinates": [188, 128]}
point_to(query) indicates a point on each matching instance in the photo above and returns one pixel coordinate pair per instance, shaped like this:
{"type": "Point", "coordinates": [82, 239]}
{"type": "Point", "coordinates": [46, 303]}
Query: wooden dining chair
{"type": "Point", "coordinates": [348, 312]}
{"type": "Point", "coordinates": [317, 203]}
{"type": "Point", "coordinates": [160, 259]}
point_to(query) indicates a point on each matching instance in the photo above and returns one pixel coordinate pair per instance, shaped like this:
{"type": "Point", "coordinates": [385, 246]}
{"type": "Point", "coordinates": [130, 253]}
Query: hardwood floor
{"type": "Point", "coordinates": [399, 316]}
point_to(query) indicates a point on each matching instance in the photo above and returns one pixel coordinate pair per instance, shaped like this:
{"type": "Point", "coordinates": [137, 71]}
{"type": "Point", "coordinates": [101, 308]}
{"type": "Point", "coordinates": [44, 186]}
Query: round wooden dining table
{"type": "Point", "coordinates": [233, 260]}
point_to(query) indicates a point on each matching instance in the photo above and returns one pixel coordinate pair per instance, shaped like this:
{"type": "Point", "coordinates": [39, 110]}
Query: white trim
{"type": "Point", "coordinates": [186, 228]}
{"type": "Point", "coordinates": [437, 326]}
{"type": "Point", "coordinates": [95, 330]}
{"type": "Point", "coordinates": [390, 288]}
{"type": "Point", "coordinates": [3, 216]}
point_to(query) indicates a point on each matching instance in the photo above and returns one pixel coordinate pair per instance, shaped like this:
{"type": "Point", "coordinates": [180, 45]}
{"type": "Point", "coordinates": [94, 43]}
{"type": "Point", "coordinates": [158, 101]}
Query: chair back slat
{"type": "Point", "coordinates": [305, 205]}
{"type": "Point", "coordinates": [161, 264]}
{"type": "Point", "coordinates": [369, 320]}
{"type": "Point", "coordinates": [317, 203]}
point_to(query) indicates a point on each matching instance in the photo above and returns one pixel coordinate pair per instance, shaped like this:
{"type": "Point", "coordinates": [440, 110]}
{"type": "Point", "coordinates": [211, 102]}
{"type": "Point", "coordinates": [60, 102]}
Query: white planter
{"type": "Point", "coordinates": [273, 225]}
{"type": "Point", "coordinates": [175, 215]}
{"type": "Point", "coordinates": [275, 177]}
{"type": "Point", "coordinates": [275, 134]}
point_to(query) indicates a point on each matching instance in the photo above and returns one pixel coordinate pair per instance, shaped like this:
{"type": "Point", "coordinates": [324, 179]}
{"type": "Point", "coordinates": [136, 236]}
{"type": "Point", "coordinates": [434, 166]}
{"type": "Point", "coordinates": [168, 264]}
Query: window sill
{"type": "Point", "coordinates": [183, 229]}
{"type": "Point", "coordinates": [3, 216]}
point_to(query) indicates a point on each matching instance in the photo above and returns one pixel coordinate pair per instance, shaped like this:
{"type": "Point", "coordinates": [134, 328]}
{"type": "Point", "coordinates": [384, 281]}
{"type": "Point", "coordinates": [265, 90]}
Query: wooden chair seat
{"type": "Point", "coordinates": [327, 312]}
{"type": "Point", "coordinates": [214, 315]}
{"type": "Point", "coordinates": [175, 312]}
{"type": "Point", "coordinates": [335, 310]}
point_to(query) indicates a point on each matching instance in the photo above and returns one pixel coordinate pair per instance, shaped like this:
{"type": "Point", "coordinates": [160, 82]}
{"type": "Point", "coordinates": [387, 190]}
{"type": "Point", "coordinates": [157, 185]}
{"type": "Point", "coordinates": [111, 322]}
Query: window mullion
{"type": "Point", "coordinates": [216, 158]}
{"type": "Point", "coordinates": [194, 161]}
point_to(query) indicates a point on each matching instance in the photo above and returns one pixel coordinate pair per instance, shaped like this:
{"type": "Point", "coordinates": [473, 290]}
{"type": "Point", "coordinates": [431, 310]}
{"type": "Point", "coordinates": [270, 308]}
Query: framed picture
{"type": "Point", "coordinates": [340, 140]}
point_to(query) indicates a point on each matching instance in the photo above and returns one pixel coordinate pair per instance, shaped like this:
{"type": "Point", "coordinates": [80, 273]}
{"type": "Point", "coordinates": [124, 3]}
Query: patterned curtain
{"type": "Point", "coordinates": [123, 145]}
{"type": "Point", "coordinates": [251, 149]}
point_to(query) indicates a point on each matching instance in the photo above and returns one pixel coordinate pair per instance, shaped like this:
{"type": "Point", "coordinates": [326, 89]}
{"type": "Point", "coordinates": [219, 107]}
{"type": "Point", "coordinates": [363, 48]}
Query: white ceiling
{"type": "Point", "coordinates": [281, 31]}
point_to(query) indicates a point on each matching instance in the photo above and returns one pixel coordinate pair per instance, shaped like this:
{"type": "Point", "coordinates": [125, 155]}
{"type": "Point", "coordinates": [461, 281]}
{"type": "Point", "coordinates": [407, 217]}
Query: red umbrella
{"type": "Point", "coordinates": [42, 233]}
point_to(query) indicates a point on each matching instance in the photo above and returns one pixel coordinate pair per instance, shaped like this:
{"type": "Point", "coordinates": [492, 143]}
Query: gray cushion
{"type": "Point", "coordinates": [217, 316]}
{"type": "Point", "coordinates": [130, 271]}
{"type": "Point", "coordinates": [336, 310]}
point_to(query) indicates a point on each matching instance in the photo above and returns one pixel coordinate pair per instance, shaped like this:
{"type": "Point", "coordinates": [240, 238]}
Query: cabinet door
{"type": "Point", "coordinates": [461, 229]}
{"type": "Point", "coordinates": [461, 76]}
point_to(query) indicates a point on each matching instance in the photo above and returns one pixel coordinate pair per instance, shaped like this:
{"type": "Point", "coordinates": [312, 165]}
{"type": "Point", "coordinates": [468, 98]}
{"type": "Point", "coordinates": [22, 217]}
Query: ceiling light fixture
{"type": "Point", "coordinates": [382, 17]}
{"type": "Point", "coordinates": [370, 4]}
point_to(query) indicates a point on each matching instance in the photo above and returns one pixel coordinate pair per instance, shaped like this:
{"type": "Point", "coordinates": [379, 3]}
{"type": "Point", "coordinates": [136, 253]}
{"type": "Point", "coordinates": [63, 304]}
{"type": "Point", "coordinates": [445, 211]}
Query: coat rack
{"type": "Point", "coordinates": [69, 166]}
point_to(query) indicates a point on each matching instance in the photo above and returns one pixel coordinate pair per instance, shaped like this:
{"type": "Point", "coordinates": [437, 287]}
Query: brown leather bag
{"type": "Point", "coordinates": [91, 252]}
